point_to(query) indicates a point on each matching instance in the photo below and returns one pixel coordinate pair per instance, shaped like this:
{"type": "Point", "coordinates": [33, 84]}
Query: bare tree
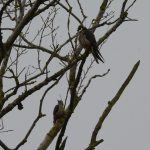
{"type": "Point", "coordinates": [19, 39]}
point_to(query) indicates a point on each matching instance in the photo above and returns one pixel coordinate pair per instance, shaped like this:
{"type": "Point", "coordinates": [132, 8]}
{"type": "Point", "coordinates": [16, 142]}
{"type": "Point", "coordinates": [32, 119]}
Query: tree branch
{"type": "Point", "coordinates": [107, 110]}
{"type": "Point", "coordinates": [4, 146]}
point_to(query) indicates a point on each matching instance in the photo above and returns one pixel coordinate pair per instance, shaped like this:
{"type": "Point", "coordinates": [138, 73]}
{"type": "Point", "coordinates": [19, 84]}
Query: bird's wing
{"type": "Point", "coordinates": [90, 37]}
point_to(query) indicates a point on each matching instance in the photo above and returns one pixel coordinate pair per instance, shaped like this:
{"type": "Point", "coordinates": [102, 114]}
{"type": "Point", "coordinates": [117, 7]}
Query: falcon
{"type": "Point", "coordinates": [88, 42]}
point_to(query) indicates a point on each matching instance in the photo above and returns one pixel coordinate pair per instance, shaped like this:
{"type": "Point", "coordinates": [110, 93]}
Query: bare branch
{"type": "Point", "coordinates": [40, 114]}
{"type": "Point", "coordinates": [72, 101]}
{"type": "Point", "coordinates": [39, 86]}
{"type": "Point", "coordinates": [51, 61]}
{"type": "Point", "coordinates": [95, 76]}
{"type": "Point", "coordinates": [81, 9]}
{"type": "Point", "coordinates": [4, 146]}
{"type": "Point", "coordinates": [107, 110]}
{"type": "Point", "coordinates": [69, 11]}
{"type": "Point", "coordinates": [101, 12]}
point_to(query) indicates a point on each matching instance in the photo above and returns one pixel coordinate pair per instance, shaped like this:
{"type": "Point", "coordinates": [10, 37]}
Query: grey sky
{"type": "Point", "coordinates": [127, 126]}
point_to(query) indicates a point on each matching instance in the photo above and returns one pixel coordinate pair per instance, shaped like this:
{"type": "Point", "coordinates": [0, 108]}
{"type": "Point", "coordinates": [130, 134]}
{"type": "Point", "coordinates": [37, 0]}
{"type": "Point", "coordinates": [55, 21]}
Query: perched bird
{"type": "Point", "coordinates": [88, 42]}
{"type": "Point", "coordinates": [59, 111]}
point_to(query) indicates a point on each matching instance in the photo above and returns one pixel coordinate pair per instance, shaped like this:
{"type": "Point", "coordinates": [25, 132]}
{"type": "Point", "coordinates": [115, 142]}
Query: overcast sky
{"type": "Point", "coordinates": [127, 126]}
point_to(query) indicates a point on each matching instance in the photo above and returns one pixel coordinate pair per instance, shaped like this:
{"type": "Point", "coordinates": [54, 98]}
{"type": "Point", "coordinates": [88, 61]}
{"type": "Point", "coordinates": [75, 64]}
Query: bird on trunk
{"type": "Point", "coordinates": [88, 42]}
{"type": "Point", "coordinates": [59, 111]}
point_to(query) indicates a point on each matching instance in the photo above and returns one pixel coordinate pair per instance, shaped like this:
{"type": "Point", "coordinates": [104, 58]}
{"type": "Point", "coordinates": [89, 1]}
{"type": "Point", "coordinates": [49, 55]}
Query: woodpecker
{"type": "Point", "coordinates": [59, 111]}
{"type": "Point", "coordinates": [88, 42]}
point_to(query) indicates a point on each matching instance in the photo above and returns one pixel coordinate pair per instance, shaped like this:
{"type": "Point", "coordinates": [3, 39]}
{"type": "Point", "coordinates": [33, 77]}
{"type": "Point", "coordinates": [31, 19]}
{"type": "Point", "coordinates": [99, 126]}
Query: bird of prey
{"type": "Point", "coordinates": [59, 111]}
{"type": "Point", "coordinates": [88, 42]}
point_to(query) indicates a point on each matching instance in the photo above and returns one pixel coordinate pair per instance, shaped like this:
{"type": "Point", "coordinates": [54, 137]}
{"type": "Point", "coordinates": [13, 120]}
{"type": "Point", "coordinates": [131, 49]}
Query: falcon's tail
{"type": "Point", "coordinates": [97, 55]}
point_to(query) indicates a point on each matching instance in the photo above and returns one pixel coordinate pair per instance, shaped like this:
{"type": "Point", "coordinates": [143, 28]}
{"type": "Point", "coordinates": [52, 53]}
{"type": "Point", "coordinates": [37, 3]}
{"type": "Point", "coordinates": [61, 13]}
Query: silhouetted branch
{"type": "Point", "coordinates": [90, 80]}
{"type": "Point", "coordinates": [93, 142]}
{"type": "Point", "coordinates": [71, 106]}
{"type": "Point", "coordinates": [4, 146]}
{"type": "Point", "coordinates": [40, 114]}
